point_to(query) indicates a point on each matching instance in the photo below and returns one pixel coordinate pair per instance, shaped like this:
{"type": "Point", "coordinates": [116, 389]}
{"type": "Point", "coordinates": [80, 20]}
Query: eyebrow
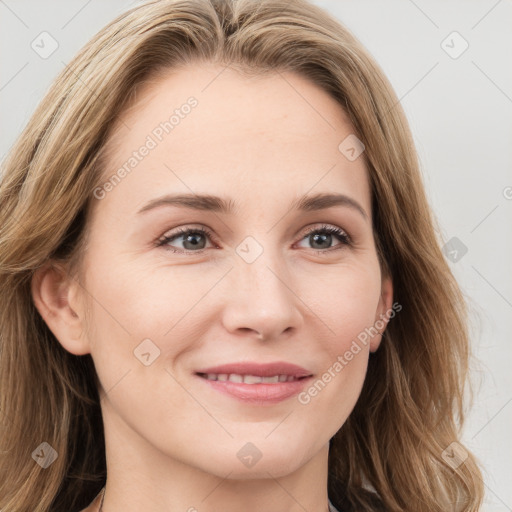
{"type": "Point", "coordinates": [218, 204]}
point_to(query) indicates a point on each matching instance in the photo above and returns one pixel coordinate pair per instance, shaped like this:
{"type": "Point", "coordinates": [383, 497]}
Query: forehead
{"type": "Point", "coordinates": [207, 128]}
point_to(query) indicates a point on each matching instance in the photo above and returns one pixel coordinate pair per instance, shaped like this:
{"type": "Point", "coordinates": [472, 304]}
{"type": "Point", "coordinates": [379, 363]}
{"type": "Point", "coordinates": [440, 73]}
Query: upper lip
{"type": "Point", "coordinates": [259, 369]}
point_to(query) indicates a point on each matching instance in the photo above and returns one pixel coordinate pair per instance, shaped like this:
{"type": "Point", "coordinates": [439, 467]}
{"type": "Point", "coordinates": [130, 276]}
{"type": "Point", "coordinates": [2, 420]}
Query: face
{"type": "Point", "coordinates": [190, 296]}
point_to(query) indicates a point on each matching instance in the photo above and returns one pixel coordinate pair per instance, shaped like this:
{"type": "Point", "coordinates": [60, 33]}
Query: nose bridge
{"type": "Point", "coordinates": [261, 297]}
{"type": "Point", "coordinates": [262, 271]}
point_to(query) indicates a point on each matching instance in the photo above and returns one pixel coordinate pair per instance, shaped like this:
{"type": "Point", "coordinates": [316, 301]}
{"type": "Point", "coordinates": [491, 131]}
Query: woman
{"type": "Point", "coordinates": [221, 284]}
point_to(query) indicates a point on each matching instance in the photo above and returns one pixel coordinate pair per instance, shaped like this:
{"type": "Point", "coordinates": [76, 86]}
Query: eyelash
{"type": "Point", "coordinates": [180, 232]}
{"type": "Point", "coordinates": [342, 236]}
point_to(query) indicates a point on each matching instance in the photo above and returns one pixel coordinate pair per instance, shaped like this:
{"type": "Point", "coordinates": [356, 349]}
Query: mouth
{"type": "Point", "coordinates": [249, 379]}
{"type": "Point", "coordinates": [258, 384]}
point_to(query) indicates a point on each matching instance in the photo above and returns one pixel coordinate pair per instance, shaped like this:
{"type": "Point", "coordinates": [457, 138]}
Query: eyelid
{"type": "Point", "coordinates": [172, 234]}
{"type": "Point", "coordinates": [175, 232]}
{"type": "Point", "coordinates": [341, 234]}
{"type": "Point", "coordinates": [326, 227]}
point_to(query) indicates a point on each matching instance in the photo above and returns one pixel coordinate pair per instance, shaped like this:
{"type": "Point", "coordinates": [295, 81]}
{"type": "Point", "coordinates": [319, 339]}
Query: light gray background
{"type": "Point", "coordinates": [460, 112]}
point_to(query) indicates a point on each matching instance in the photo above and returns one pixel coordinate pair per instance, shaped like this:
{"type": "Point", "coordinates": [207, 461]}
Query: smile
{"type": "Point", "coordinates": [249, 379]}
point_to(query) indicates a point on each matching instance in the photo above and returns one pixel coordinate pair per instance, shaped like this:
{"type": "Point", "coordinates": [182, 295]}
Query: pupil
{"type": "Point", "coordinates": [325, 237]}
{"type": "Point", "coordinates": [192, 239]}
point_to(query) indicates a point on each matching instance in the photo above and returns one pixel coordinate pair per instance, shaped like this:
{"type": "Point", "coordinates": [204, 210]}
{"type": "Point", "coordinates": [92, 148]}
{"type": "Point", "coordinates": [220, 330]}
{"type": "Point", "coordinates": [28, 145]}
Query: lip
{"type": "Point", "coordinates": [260, 369]}
{"type": "Point", "coordinates": [261, 393]}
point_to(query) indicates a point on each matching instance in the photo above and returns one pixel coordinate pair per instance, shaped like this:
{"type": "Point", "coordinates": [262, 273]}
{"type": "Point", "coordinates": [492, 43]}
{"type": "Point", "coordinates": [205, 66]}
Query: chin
{"type": "Point", "coordinates": [262, 470]}
{"type": "Point", "coordinates": [247, 462]}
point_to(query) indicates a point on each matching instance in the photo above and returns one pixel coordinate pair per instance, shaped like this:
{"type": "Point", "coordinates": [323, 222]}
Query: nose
{"type": "Point", "coordinates": [260, 299]}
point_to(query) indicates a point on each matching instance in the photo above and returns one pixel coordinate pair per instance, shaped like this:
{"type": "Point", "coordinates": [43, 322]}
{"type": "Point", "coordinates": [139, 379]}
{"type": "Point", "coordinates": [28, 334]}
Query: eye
{"type": "Point", "coordinates": [193, 239]}
{"type": "Point", "coordinates": [321, 238]}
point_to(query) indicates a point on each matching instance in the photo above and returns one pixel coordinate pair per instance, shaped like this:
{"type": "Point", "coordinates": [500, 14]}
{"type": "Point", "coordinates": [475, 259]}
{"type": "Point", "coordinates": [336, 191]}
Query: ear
{"type": "Point", "coordinates": [384, 311]}
{"type": "Point", "coordinates": [55, 296]}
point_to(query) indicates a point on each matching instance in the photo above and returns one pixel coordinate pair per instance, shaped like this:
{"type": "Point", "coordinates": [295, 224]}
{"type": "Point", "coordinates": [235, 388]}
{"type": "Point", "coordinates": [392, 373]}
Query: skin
{"type": "Point", "coordinates": [171, 440]}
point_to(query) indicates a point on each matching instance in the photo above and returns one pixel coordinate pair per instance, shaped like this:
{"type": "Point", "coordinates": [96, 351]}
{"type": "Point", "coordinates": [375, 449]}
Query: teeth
{"type": "Point", "coordinates": [252, 379]}
{"type": "Point", "coordinates": [270, 380]}
{"type": "Point", "coordinates": [249, 379]}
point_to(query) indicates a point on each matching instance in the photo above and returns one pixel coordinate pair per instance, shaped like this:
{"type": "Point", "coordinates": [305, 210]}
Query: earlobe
{"type": "Point", "coordinates": [53, 293]}
{"type": "Point", "coordinates": [383, 313]}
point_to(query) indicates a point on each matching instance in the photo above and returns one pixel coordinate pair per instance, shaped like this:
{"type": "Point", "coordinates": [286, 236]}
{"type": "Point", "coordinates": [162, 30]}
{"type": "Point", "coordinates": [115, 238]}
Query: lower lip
{"type": "Point", "coordinates": [259, 393]}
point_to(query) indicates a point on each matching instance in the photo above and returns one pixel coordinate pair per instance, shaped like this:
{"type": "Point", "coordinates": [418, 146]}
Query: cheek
{"type": "Point", "coordinates": [139, 325]}
{"type": "Point", "coordinates": [345, 301]}
{"type": "Point", "coordinates": [349, 313]}
{"type": "Point", "coordinates": [146, 299]}
{"type": "Point", "coordinates": [136, 310]}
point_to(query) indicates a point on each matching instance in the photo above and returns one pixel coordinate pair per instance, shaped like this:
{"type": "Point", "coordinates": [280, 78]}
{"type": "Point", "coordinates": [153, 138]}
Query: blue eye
{"type": "Point", "coordinates": [324, 236]}
{"type": "Point", "coordinates": [194, 239]}
{"type": "Point", "coordinates": [191, 239]}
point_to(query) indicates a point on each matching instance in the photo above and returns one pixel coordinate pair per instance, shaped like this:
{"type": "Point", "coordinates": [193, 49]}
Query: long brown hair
{"type": "Point", "coordinates": [391, 452]}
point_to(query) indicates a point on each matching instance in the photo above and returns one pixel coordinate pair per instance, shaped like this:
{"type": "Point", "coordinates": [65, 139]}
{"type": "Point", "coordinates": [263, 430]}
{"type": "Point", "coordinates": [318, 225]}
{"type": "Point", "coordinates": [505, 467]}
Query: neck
{"type": "Point", "coordinates": [143, 478]}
